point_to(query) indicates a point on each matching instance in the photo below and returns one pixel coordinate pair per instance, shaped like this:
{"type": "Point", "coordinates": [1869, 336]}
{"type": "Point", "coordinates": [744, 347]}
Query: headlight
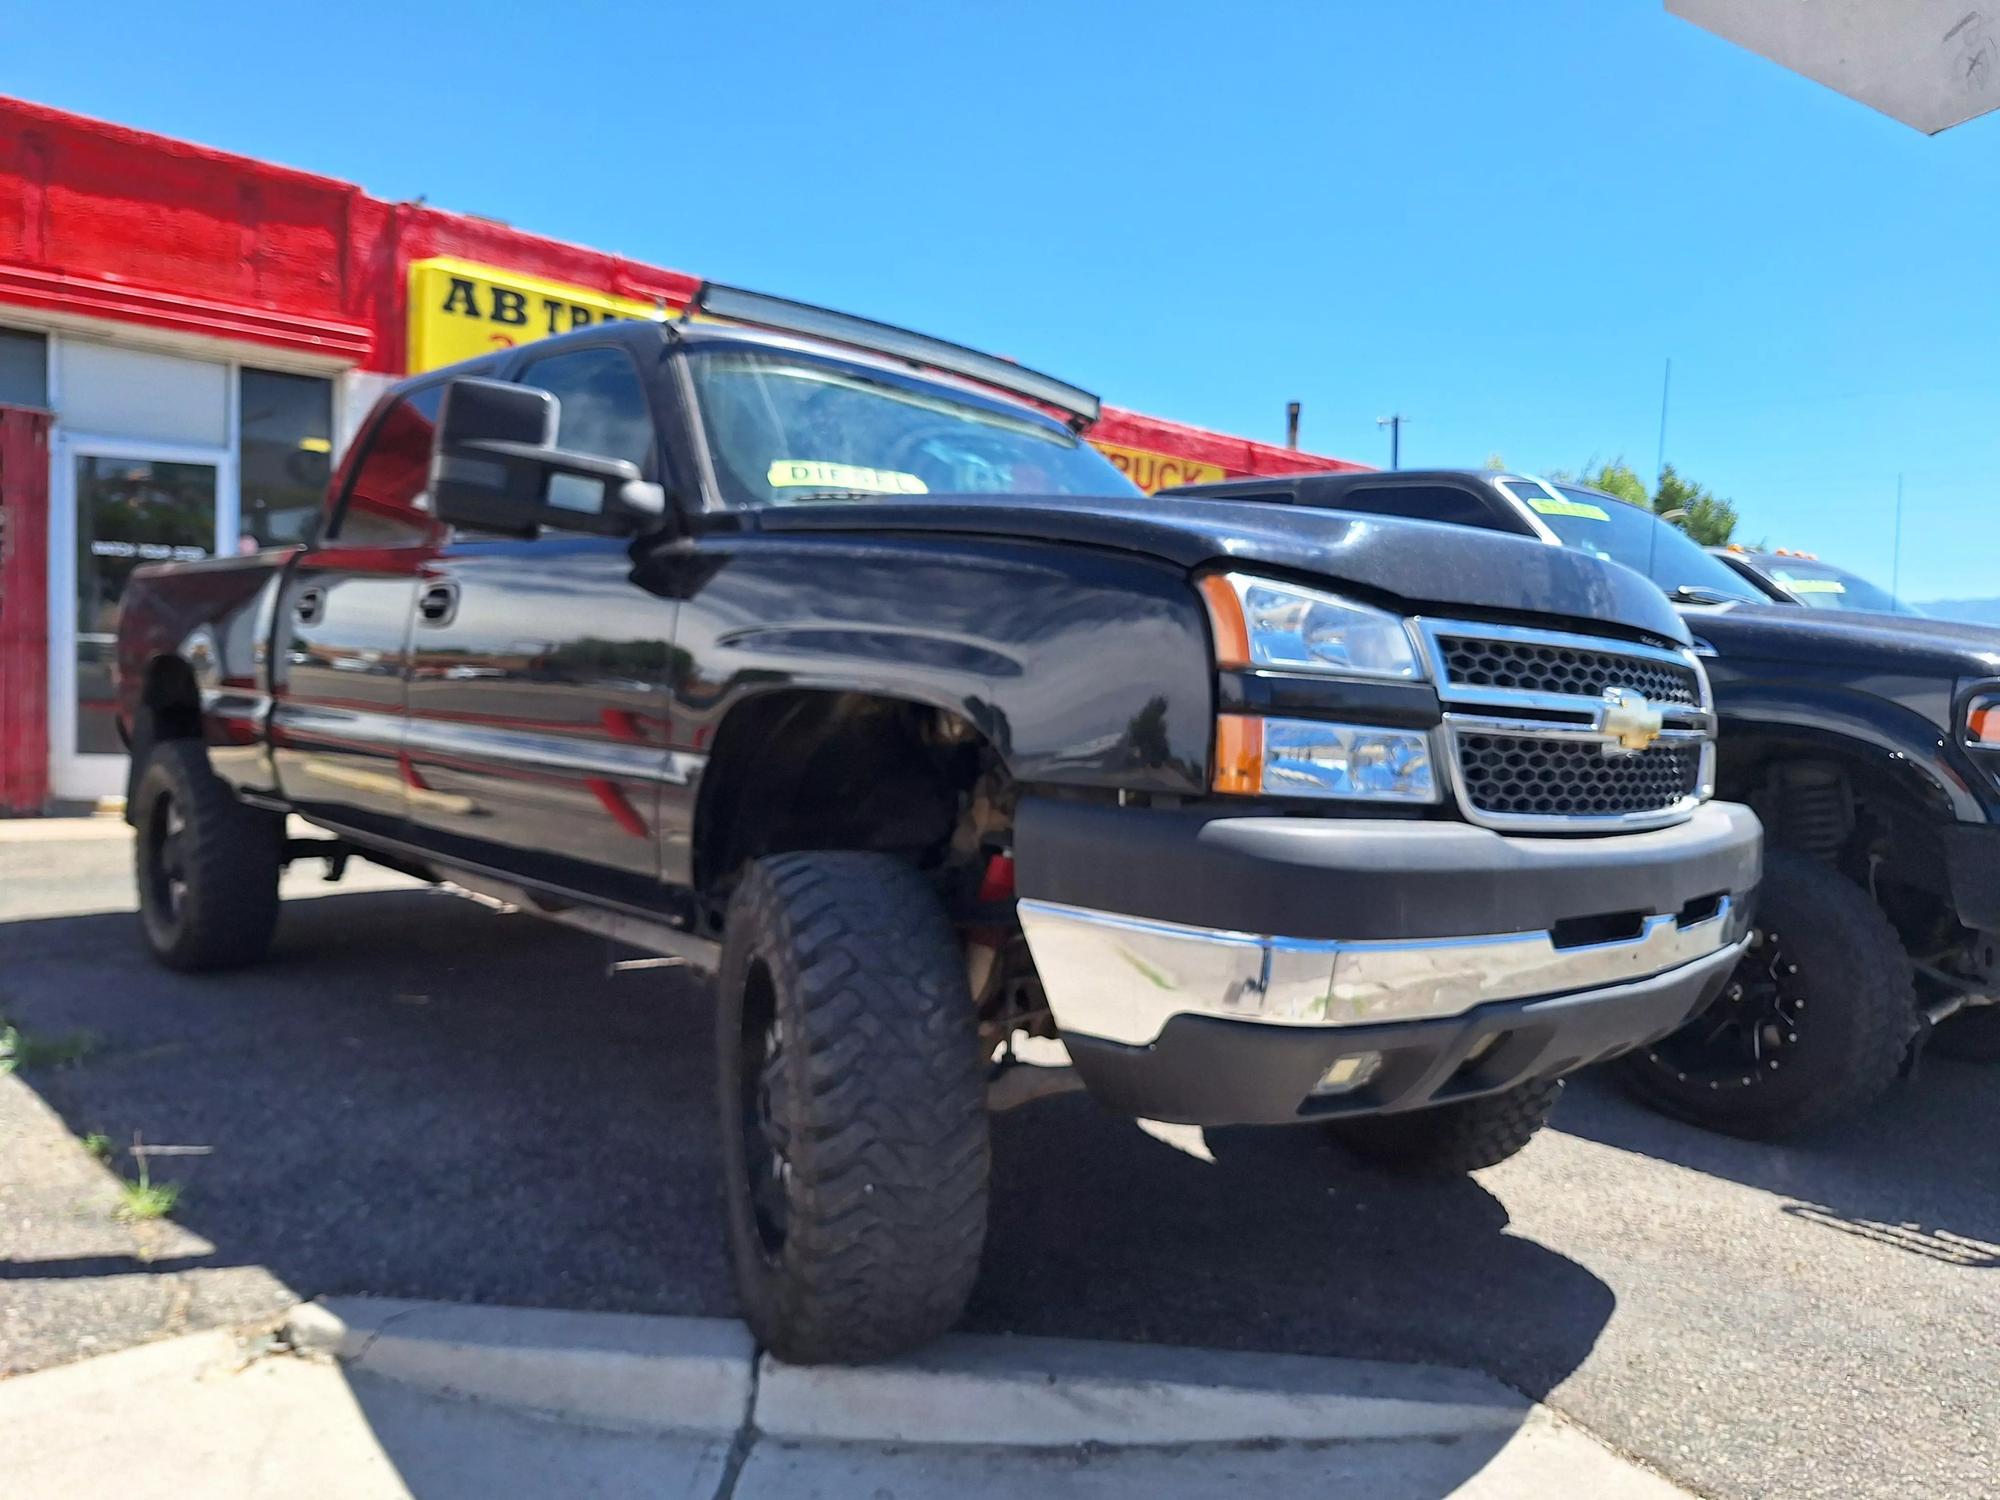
{"type": "Point", "coordinates": [1261, 623]}
{"type": "Point", "coordinates": [1305, 758]}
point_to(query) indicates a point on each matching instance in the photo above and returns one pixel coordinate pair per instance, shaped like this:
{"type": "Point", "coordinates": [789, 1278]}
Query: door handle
{"type": "Point", "coordinates": [309, 605]}
{"type": "Point", "coordinates": [438, 603]}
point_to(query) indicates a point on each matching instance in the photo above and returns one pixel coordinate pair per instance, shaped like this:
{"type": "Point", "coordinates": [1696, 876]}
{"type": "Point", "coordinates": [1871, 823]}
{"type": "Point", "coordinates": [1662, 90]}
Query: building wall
{"type": "Point", "coordinates": [24, 609]}
{"type": "Point", "coordinates": [99, 221]}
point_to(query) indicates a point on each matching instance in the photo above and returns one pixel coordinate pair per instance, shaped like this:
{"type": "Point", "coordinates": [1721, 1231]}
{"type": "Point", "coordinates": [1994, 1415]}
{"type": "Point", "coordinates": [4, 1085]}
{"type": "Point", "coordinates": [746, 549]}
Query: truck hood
{"type": "Point", "coordinates": [1418, 566]}
{"type": "Point", "coordinates": [1904, 644]}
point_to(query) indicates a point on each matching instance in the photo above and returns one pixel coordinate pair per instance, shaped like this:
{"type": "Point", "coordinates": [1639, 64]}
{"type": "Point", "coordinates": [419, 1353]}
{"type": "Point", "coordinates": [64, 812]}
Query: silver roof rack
{"type": "Point", "coordinates": [781, 313]}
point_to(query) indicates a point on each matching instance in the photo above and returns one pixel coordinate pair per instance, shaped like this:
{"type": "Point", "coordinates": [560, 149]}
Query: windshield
{"type": "Point", "coordinates": [1823, 586]}
{"type": "Point", "coordinates": [1605, 527]}
{"type": "Point", "coordinates": [786, 429]}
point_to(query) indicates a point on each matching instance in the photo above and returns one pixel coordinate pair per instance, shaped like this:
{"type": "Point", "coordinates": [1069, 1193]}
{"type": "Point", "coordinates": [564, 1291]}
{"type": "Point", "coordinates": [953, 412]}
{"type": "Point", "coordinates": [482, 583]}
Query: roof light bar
{"type": "Point", "coordinates": [785, 315]}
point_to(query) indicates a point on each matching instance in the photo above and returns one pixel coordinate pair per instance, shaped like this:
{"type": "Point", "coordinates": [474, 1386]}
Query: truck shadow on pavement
{"type": "Point", "coordinates": [1913, 1174]}
{"type": "Point", "coordinates": [418, 1098]}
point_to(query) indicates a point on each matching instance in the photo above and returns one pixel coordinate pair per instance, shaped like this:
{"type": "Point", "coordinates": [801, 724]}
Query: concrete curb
{"type": "Point", "coordinates": [1037, 1392]}
{"type": "Point", "coordinates": [631, 1373]}
{"type": "Point", "coordinates": [657, 1374]}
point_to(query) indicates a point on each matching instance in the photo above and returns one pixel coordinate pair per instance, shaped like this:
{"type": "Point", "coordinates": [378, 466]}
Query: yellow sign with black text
{"type": "Point", "coordinates": [460, 310]}
{"type": "Point", "coordinates": [1158, 471]}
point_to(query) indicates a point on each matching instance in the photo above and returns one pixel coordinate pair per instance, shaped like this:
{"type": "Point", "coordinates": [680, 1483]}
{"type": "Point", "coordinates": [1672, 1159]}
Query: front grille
{"type": "Point", "coordinates": [1528, 667]}
{"type": "Point", "coordinates": [1524, 777]}
{"type": "Point", "coordinates": [1534, 727]}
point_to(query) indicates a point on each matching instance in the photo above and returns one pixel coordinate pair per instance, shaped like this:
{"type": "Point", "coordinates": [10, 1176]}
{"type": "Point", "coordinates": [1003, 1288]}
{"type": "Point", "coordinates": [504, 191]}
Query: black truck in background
{"type": "Point", "coordinates": [1869, 744]}
{"type": "Point", "coordinates": [833, 660]}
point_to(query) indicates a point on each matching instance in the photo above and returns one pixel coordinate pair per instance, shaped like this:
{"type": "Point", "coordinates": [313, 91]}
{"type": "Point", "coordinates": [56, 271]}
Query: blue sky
{"type": "Point", "coordinates": [1498, 219]}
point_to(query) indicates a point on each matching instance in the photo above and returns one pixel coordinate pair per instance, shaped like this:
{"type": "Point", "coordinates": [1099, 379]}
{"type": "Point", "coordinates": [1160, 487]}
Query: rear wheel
{"type": "Point", "coordinates": [853, 1106]}
{"type": "Point", "coordinates": [1449, 1140]}
{"type": "Point", "coordinates": [207, 865]}
{"type": "Point", "coordinates": [1815, 1022]}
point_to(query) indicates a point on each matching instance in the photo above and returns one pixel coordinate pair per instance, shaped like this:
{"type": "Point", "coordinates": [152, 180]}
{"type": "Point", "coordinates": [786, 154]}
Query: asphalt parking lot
{"type": "Point", "coordinates": [417, 1097]}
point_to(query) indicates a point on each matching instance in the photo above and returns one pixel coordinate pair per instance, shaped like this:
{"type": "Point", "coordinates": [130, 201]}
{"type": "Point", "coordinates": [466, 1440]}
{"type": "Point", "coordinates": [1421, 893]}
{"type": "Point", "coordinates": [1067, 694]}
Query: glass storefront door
{"type": "Point", "coordinates": [129, 511]}
{"type": "Point", "coordinates": [123, 506]}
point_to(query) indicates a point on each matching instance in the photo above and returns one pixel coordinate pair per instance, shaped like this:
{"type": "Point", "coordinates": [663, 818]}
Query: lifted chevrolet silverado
{"type": "Point", "coordinates": [1869, 744]}
{"type": "Point", "coordinates": [823, 656]}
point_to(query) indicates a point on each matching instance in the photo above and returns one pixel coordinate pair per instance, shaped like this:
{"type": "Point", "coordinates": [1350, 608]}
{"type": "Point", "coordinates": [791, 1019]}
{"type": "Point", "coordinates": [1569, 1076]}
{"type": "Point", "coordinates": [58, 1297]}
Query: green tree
{"type": "Point", "coordinates": [1618, 478]}
{"type": "Point", "coordinates": [1694, 508]}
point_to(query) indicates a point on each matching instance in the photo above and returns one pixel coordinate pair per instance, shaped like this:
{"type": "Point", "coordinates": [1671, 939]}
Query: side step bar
{"type": "Point", "coordinates": [655, 937]}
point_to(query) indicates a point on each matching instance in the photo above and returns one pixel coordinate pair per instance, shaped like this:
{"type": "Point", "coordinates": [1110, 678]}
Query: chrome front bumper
{"type": "Point", "coordinates": [1122, 979]}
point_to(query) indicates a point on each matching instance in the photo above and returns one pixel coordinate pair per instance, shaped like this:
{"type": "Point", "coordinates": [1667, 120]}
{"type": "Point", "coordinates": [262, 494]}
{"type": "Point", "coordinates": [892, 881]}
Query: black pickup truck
{"type": "Point", "coordinates": [831, 659]}
{"type": "Point", "coordinates": [1868, 743]}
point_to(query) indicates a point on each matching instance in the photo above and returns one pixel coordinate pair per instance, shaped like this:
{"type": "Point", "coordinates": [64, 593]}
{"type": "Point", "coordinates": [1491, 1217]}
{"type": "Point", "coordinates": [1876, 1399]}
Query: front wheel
{"type": "Point", "coordinates": [853, 1108]}
{"type": "Point", "coordinates": [1815, 1022]}
{"type": "Point", "coordinates": [1449, 1140]}
{"type": "Point", "coordinates": [207, 865]}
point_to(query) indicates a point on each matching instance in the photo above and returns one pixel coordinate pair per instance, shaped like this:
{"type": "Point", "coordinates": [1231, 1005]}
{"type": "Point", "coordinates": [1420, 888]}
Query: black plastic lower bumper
{"type": "Point", "coordinates": [1356, 878]}
{"type": "Point", "coordinates": [1205, 1070]}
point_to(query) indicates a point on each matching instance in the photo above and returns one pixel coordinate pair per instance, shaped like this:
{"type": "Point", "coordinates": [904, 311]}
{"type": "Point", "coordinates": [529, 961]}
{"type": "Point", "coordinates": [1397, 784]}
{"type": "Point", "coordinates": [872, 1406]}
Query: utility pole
{"type": "Point", "coordinates": [1394, 423]}
{"type": "Point", "coordinates": [1291, 424]}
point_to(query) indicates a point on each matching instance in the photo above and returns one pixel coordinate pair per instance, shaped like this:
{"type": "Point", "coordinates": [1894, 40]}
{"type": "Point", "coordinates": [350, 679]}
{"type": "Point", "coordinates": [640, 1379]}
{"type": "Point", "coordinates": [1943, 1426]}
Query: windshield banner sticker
{"type": "Point", "coordinates": [798, 473]}
{"type": "Point", "coordinates": [1581, 509]}
{"type": "Point", "coordinates": [1809, 585]}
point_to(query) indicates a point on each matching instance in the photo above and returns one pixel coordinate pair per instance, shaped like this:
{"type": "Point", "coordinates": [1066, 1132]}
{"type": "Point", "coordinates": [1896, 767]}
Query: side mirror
{"type": "Point", "coordinates": [494, 467]}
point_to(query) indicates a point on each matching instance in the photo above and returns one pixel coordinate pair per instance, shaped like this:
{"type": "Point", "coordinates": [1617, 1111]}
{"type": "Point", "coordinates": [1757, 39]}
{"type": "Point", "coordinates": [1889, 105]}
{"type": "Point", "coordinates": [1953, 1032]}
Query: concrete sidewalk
{"type": "Point", "coordinates": [433, 1400]}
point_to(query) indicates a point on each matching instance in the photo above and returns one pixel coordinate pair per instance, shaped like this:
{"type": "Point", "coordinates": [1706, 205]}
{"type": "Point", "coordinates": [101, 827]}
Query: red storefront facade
{"type": "Point", "coordinates": [187, 340]}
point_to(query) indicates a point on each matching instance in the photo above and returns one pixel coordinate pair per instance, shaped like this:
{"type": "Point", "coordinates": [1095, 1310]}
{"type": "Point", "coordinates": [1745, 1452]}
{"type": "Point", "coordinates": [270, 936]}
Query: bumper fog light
{"type": "Point", "coordinates": [1348, 1074]}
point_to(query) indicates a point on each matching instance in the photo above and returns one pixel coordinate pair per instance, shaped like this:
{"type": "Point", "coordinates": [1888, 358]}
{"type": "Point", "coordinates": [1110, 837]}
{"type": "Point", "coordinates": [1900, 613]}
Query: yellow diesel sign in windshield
{"type": "Point", "coordinates": [817, 474]}
{"type": "Point", "coordinates": [1582, 510]}
{"type": "Point", "coordinates": [459, 310]}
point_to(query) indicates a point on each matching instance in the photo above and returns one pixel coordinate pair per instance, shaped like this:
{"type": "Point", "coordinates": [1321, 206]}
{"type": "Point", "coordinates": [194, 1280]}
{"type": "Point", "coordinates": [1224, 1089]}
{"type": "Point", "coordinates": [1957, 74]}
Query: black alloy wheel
{"type": "Point", "coordinates": [1815, 1021]}
{"type": "Point", "coordinates": [1751, 1028]}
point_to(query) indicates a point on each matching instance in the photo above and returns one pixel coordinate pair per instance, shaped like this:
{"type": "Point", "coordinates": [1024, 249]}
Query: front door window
{"type": "Point", "coordinates": [129, 512]}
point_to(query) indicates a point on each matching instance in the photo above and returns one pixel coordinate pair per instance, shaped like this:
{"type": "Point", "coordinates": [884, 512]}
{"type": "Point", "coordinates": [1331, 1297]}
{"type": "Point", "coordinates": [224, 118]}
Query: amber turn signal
{"type": "Point", "coordinates": [1239, 754]}
{"type": "Point", "coordinates": [1225, 619]}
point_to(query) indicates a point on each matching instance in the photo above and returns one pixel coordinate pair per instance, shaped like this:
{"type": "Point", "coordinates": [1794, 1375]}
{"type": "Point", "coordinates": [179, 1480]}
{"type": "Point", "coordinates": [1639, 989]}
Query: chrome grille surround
{"type": "Point", "coordinates": [1527, 747]}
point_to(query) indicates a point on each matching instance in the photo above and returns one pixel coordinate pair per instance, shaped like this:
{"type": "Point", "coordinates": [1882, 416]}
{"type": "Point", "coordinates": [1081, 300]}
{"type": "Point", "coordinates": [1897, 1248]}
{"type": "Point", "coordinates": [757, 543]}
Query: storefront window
{"type": "Point", "coordinates": [285, 457]}
{"type": "Point", "coordinates": [24, 368]}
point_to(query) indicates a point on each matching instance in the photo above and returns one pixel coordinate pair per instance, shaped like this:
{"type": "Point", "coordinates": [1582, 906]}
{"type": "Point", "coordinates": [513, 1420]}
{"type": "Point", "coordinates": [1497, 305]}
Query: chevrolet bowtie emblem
{"type": "Point", "coordinates": [1629, 719]}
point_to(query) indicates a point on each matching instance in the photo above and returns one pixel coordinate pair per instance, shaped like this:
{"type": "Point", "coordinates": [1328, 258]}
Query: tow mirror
{"type": "Point", "coordinates": [495, 467]}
